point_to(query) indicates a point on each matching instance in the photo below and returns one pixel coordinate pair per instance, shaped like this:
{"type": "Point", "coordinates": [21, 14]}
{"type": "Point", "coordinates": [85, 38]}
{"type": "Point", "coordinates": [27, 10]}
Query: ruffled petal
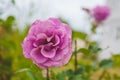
{"type": "Point", "coordinates": [60, 54]}
{"type": "Point", "coordinates": [41, 40]}
{"type": "Point", "coordinates": [56, 21]}
{"type": "Point", "coordinates": [50, 38]}
{"type": "Point", "coordinates": [41, 65]}
{"type": "Point", "coordinates": [56, 40]}
{"type": "Point", "coordinates": [41, 27]}
{"type": "Point", "coordinates": [37, 56]}
{"type": "Point", "coordinates": [68, 55]}
{"type": "Point", "coordinates": [41, 36]}
{"type": "Point", "coordinates": [27, 46]}
{"type": "Point", "coordinates": [47, 51]}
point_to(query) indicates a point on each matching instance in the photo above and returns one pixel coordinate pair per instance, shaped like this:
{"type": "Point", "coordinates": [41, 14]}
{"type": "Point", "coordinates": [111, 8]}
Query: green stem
{"type": "Point", "coordinates": [75, 65]}
{"type": "Point", "coordinates": [0, 58]}
{"type": "Point", "coordinates": [47, 74]}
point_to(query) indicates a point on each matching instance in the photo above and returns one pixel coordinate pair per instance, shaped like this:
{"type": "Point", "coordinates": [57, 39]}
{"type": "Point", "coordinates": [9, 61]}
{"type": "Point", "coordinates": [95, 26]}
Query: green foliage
{"type": "Point", "coordinates": [77, 77]}
{"type": "Point", "coordinates": [31, 75]}
{"type": "Point", "coordinates": [108, 76]}
{"type": "Point", "coordinates": [1, 21]}
{"type": "Point", "coordinates": [116, 77]}
{"type": "Point", "coordinates": [70, 72]}
{"type": "Point", "coordinates": [84, 50]}
{"type": "Point", "coordinates": [105, 64]}
{"type": "Point", "coordinates": [116, 60]}
{"type": "Point", "coordinates": [63, 20]}
{"type": "Point", "coordinates": [93, 27]}
{"type": "Point", "coordinates": [22, 70]}
{"type": "Point", "coordinates": [94, 48]}
{"type": "Point", "coordinates": [79, 35]}
{"type": "Point", "coordinates": [52, 75]}
{"type": "Point", "coordinates": [13, 1]}
{"type": "Point", "coordinates": [61, 76]}
{"type": "Point", "coordinates": [7, 45]}
{"type": "Point", "coordinates": [8, 23]}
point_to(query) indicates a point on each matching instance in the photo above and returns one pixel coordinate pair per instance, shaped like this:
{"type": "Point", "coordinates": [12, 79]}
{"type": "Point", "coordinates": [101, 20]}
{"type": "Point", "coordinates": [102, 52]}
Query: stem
{"type": "Point", "coordinates": [75, 65]}
{"type": "Point", "coordinates": [102, 75]}
{"type": "Point", "coordinates": [47, 74]}
{"type": "Point", "coordinates": [0, 58]}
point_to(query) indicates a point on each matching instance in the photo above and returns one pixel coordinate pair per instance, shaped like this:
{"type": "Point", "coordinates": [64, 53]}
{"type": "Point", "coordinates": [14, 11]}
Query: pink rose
{"type": "Point", "coordinates": [100, 13]}
{"type": "Point", "coordinates": [48, 43]}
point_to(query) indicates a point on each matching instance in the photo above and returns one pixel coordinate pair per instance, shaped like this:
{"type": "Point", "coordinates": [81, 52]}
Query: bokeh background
{"type": "Point", "coordinates": [27, 11]}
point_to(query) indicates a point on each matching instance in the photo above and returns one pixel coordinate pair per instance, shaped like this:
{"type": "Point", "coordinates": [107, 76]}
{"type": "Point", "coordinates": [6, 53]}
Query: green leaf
{"type": "Point", "coordinates": [105, 64]}
{"type": "Point", "coordinates": [63, 20]}
{"type": "Point", "coordinates": [108, 76]}
{"type": "Point", "coordinates": [13, 1]}
{"type": "Point", "coordinates": [31, 75]}
{"type": "Point", "coordinates": [40, 76]}
{"type": "Point", "coordinates": [116, 77]}
{"type": "Point", "coordinates": [80, 70]}
{"type": "Point", "coordinates": [80, 35]}
{"type": "Point", "coordinates": [95, 65]}
{"type": "Point", "coordinates": [7, 44]}
{"type": "Point", "coordinates": [70, 72]}
{"type": "Point", "coordinates": [94, 48]}
{"type": "Point", "coordinates": [35, 68]}
{"type": "Point", "coordinates": [93, 29]}
{"type": "Point", "coordinates": [61, 76]}
{"type": "Point", "coordinates": [9, 21]}
{"type": "Point", "coordinates": [77, 77]}
{"type": "Point", "coordinates": [84, 50]}
{"type": "Point", "coordinates": [116, 60]}
{"type": "Point", "coordinates": [1, 22]}
{"type": "Point", "coordinates": [52, 75]}
{"type": "Point", "coordinates": [22, 70]}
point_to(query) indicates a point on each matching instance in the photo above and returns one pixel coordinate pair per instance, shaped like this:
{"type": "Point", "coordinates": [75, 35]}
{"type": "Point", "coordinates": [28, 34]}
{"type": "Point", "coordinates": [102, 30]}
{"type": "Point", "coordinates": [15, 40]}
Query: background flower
{"type": "Point", "coordinates": [100, 13]}
{"type": "Point", "coordinates": [48, 43]}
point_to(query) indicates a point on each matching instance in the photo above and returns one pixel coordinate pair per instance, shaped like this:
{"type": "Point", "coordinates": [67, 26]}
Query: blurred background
{"type": "Point", "coordinates": [17, 15]}
{"type": "Point", "coordinates": [27, 11]}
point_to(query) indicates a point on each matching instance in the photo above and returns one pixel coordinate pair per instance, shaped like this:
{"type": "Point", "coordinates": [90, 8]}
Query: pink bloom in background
{"type": "Point", "coordinates": [100, 13]}
{"type": "Point", "coordinates": [48, 43]}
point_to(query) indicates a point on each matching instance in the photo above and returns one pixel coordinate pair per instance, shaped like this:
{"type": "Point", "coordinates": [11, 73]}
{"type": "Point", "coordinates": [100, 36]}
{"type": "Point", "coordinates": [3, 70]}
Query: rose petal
{"type": "Point", "coordinates": [64, 43]}
{"type": "Point", "coordinates": [41, 27]}
{"type": "Point", "coordinates": [49, 53]}
{"type": "Point", "coordinates": [67, 38]}
{"type": "Point", "coordinates": [56, 40]}
{"type": "Point", "coordinates": [41, 36]}
{"type": "Point", "coordinates": [64, 60]}
{"type": "Point", "coordinates": [60, 32]}
{"type": "Point", "coordinates": [68, 30]}
{"type": "Point", "coordinates": [60, 54]}
{"type": "Point", "coordinates": [50, 38]}
{"type": "Point", "coordinates": [27, 46]}
{"type": "Point", "coordinates": [49, 63]}
{"type": "Point", "coordinates": [56, 21]}
{"type": "Point", "coordinates": [67, 55]}
{"type": "Point", "coordinates": [42, 65]}
{"type": "Point", "coordinates": [41, 40]}
{"type": "Point", "coordinates": [37, 56]}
